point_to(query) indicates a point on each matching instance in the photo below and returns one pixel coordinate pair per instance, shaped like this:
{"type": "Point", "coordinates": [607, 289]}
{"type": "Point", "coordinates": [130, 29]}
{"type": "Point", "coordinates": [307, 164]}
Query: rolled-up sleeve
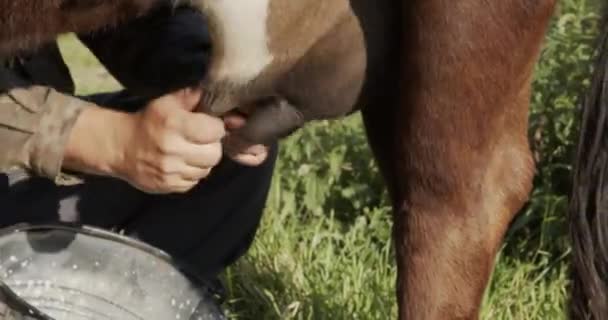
{"type": "Point", "coordinates": [35, 125]}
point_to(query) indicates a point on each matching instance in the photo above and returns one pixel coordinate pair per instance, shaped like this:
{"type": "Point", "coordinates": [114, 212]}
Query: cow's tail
{"type": "Point", "coordinates": [588, 209]}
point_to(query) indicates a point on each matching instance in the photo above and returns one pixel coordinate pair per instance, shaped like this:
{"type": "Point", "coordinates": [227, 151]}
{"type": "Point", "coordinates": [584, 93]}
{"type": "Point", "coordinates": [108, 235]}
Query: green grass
{"type": "Point", "coordinates": [323, 250]}
{"type": "Point", "coordinates": [88, 74]}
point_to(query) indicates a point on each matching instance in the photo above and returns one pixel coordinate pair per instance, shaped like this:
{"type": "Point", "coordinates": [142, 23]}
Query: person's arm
{"type": "Point", "coordinates": [162, 148]}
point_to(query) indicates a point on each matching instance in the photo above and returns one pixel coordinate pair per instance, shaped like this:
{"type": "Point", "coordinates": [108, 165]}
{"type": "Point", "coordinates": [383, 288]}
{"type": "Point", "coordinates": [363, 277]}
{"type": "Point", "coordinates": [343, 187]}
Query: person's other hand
{"type": "Point", "coordinates": [238, 148]}
{"type": "Point", "coordinates": [252, 128]}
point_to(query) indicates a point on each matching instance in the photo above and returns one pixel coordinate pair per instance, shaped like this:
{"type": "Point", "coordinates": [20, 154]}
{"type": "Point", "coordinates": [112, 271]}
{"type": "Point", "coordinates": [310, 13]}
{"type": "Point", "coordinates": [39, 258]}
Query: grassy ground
{"type": "Point", "coordinates": [323, 250]}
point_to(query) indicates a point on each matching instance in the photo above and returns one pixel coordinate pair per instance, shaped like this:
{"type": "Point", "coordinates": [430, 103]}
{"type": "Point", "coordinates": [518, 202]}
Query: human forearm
{"type": "Point", "coordinates": [96, 139]}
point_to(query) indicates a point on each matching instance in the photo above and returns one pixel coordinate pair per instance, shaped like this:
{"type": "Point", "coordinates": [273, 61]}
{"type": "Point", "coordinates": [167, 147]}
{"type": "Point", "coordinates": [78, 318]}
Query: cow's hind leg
{"type": "Point", "coordinates": [454, 148]}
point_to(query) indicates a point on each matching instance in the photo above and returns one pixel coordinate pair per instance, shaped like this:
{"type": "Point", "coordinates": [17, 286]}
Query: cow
{"type": "Point", "coordinates": [444, 90]}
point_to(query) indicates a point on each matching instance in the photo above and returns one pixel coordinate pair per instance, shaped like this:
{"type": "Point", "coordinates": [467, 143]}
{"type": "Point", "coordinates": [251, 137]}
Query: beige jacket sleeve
{"type": "Point", "coordinates": [35, 123]}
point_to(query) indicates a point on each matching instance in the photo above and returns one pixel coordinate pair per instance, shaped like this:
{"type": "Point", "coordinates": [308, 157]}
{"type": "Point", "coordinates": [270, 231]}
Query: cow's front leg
{"type": "Point", "coordinates": [452, 144]}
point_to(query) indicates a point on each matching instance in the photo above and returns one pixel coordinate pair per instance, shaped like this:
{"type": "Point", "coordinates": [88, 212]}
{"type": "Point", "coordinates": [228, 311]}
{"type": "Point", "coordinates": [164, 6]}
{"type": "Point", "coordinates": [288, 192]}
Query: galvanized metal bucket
{"type": "Point", "coordinates": [63, 272]}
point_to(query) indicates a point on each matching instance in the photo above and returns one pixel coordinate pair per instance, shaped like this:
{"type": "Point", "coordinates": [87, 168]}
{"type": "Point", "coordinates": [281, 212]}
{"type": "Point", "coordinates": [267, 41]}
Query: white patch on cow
{"type": "Point", "coordinates": [245, 42]}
